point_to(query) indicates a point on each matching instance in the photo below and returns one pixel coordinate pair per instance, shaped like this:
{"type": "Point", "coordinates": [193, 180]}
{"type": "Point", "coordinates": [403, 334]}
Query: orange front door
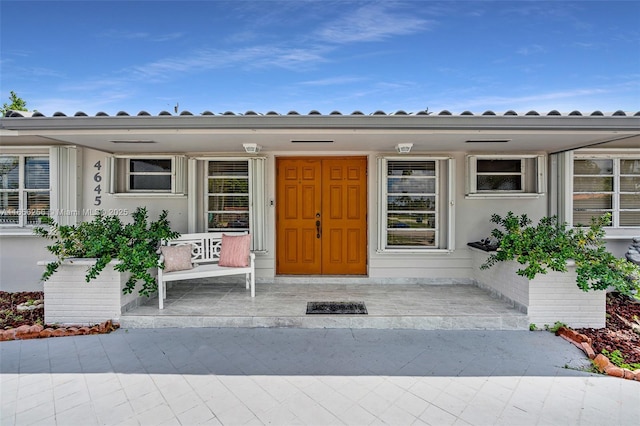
{"type": "Point", "coordinates": [321, 216]}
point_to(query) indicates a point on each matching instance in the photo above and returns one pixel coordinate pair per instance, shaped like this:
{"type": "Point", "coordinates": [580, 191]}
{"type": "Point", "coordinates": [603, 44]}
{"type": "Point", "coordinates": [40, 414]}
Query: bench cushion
{"type": "Point", "coordinates": [177, 258]}
{"type": "Point", "coordinates": [234, 251]}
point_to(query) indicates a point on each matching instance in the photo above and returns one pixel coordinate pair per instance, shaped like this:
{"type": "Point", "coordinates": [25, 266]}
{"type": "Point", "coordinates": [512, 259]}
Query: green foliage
{"type": "Point", "coordinates": [617, 359]}
{"type": "Point", "coordinates": [533, 327]}
{"type": "Point", "coordinates": [17, 104]}
{"type": "Point", "coordinates": [555, 327]}
{"type": "Point", "coordinates": [549, 245]}
{"type": "Point", "coordinates": [106, 238]}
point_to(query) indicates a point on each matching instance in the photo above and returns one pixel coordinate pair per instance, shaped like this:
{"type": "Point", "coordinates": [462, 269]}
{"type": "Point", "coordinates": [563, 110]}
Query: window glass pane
{"type": "Point", "coordinates": [411, 238]}
{"type": "Point", "coordinates": [37, 206]}
{"type": "Point", "coordinates": [36, 173]}
{"type": "Point", "coordinates": [408, 185]}
{"type": "Point", "coordinates": [583, 218]}
{"type": "Point", "coordinates": [411, 220]}
{"type": "Point", "coordinates": [228, 202]}
{"type": "Point", "coordinates": [150, 165]}
{"type": "Point", "coordinates": [229, 186]}
{"type": "Point", "coordinates": [592, 184]}
{"type": "Point", "coordinates": [630, 167]}
{"type": "Point", "coordinates": [229, 168]}
{"type": "Point", "coordinates": [592, 201]}
{"type": "Point", "coordinates": [499, 166]}
{"type": "Point", "coordinates": [9, 172]}
{"type": "Point", "coordinates": [150, 182]}
{"type": "Point", "coordinates": [630, 201]}
{"type": "Point", "coordinates": [228, 220]}
{"type": "Point", "coordinates": [411, 168]}
{"type": "Point", "coordinates": [9, 204]}
{"type": "Point", "coordinates": [630, 183]}
{"type": "Point", "coordinates": [593, 167]}
{"type": "Point", "coordinates": [499, 183]}
{"type": "Point", "coordinates": [630, 218]}
{"type": "Point", "coordinates": [411, 202]}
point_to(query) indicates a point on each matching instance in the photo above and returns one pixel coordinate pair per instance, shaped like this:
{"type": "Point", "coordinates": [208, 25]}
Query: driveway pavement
{"type": "Point", "coordinates": [239, 376]}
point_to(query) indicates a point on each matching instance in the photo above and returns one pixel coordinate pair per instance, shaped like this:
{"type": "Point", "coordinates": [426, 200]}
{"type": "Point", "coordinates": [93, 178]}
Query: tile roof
{"type": "Point", "coordinates": [16, 114]}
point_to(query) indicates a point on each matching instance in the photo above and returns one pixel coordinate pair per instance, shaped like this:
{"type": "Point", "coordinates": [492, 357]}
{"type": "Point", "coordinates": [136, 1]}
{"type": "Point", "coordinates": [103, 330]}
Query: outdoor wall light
{"type": "Point", "coordinates": [404, 148]}
{"type": "Point", "coordinates": [251, 148]}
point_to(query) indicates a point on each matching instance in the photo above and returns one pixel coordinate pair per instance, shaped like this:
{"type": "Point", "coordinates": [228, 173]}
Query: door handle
{"type": "Point", "coordinates": [318, 229]}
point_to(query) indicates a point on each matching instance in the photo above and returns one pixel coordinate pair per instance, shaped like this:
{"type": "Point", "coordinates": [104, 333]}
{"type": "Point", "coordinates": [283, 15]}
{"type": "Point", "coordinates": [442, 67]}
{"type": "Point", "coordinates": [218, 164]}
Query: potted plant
{"type": "Point", "coordinates": [119, 258]}
{"type": "Point", "coordinates": [552, 272]}
{"type": "Point", "coordinates": [551, 246]}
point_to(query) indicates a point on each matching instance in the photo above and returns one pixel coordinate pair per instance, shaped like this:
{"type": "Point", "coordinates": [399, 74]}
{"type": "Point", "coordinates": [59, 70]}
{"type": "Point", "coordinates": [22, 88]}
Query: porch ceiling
{"type": "Point", "coordinates": [227, 134]}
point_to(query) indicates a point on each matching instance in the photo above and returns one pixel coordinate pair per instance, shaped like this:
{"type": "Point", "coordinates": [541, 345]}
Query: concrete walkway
{"type": "Point", "coordinates": [239, 376]}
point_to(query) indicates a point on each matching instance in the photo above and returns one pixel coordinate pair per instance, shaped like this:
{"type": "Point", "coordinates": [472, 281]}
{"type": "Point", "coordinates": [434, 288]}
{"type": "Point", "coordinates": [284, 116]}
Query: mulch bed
{"type": "Point", "coordinates": [619, 334]}
{"type": "Point", "coordinates": [18, 324]}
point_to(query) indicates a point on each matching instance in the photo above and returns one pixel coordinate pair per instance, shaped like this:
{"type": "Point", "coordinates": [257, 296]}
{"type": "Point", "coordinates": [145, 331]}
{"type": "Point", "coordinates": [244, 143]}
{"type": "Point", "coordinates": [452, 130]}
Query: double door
{"type": "Point", "coordinates": [321, 216]}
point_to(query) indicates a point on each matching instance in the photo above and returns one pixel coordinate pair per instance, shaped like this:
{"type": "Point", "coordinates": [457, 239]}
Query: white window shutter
{"type": "Point", "coordinates": [111, 174]}
{"type": "Point", "coordinates": [257, 194]}
{"type": "Point", "coordinates": [180, 175]}
{"type": "Point", "coordinates": [64, 174]}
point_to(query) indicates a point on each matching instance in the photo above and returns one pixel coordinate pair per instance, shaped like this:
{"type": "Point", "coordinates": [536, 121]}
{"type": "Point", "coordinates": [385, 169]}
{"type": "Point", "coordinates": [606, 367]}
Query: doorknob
{"type": "Point", "coordinates": [317, 229]}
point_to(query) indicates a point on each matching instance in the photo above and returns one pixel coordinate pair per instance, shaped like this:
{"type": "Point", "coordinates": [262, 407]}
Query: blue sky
{"type": "Point", "coordinates": [324, 55]}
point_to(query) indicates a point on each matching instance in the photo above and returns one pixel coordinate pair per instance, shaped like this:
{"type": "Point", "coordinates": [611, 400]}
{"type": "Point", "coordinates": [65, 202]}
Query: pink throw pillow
{"type": "Point", "coordinates": [177, 258]}
{"type": "Point", "coordinates": [234, 250]}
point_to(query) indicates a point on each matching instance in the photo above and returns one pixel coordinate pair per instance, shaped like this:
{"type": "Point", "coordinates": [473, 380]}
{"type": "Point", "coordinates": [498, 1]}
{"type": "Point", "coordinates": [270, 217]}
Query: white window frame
{"type": "Point", "coordinates": [445, 205]}
{"type": "Point", "coordinates": [65, 172]}
{"type": "Point", "coordinates": [615, 230]}
{"type": "Point", "coordinates": [119, 181]}
{"type": "Point", "coordinates": [198, 203]}
{"type": "Point", "coordinates": [525, 175]}
{"type": "Point", "coordinates": [24, 212]}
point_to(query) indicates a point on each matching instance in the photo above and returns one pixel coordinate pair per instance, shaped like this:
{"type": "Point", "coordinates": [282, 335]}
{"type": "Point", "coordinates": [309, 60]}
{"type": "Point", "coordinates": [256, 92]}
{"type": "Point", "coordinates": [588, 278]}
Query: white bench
{"type": "Point", "coordinates": [205, 255]}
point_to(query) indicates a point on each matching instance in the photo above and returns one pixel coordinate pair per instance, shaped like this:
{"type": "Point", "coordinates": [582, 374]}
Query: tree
{"type": "Point", "coordinates": [17, 104]}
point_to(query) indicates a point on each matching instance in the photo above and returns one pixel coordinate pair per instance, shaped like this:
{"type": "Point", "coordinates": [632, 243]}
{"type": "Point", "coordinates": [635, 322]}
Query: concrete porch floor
{"type": "Point", "coordinates": [199, 303]}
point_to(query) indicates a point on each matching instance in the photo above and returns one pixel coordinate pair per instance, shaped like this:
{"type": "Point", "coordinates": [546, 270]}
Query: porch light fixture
{"type": "Point", "coordinates": [404, 148]}
{"type": "Point", "coordinates": [251, 148]}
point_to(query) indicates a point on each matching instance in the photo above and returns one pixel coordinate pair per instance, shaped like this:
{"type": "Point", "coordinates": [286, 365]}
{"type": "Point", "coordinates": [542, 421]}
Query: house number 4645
{"type": "Point", "coordinates": [97, 200]}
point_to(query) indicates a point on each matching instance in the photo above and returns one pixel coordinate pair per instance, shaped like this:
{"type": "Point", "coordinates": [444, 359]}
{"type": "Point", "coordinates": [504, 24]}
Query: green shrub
{"type": "Point", "coordinates": [549, 245]}
{"type": "Point", "coordinates": [106, 238]}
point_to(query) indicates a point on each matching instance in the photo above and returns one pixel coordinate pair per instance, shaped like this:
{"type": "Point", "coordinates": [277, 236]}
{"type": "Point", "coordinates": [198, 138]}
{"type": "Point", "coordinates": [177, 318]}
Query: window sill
{"type": "Point", "coordinates": [17, 232]}
{"type": "Point", "coordinates": [414, 251]}
{"type": "Point", "coordinates": [499, 195]}
{"type": "Point", "coordinates": [147, 195]}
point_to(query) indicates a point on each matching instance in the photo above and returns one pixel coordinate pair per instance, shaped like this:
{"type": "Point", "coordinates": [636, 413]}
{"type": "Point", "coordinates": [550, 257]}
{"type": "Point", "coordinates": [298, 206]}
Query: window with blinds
{"type": "Point", "coordinates": [153, 175]}
{"type": "Point", "coordinates": [505, 176]}
{"type": "Point", "coordinates": [25, 193]}
{"type": "Point", "coordinates": [227, 195]}
{"type": "Point", "coordinates": [412, 204]}
{"type": "Point", "coordinates": [606, 185]}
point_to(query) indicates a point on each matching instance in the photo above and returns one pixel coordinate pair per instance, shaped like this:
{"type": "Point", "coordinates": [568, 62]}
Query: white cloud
{"type": "Point", "coordinates": [371, 23]}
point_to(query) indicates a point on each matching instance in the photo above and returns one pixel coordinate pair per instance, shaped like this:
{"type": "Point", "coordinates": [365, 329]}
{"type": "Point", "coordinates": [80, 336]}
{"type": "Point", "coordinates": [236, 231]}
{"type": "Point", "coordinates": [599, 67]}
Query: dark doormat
{"type": "Point", "coordinates": [349, 308]}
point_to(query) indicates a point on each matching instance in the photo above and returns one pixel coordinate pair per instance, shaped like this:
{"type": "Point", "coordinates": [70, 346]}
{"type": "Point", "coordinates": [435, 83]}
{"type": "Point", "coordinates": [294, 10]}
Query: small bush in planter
{"type": "Point", "coordinates": [106, 238]}
{"type": "Point", "coordinates": [549, 245]}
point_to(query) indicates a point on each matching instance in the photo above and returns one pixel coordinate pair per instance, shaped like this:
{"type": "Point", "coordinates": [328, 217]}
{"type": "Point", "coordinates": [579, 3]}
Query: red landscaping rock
{"type": "Point", "coordinates": [7, 335]}
{"type": "Point", "coordinates": [601, 362]}
{"type": "Point", "coordinates": [586, 347]}
{"type": "Point", "coordinates": [47, 332]}
{"type": "Point", "coordinates": [614, 371]}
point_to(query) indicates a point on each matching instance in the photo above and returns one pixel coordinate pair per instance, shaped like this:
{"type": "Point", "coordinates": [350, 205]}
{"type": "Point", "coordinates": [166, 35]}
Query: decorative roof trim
{"type": "Point", "coordinates": [553, 113]}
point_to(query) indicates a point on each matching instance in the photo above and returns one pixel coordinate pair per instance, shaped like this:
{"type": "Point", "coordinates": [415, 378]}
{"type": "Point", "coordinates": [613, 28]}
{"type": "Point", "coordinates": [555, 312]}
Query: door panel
{"type": "Point", "coordinates": [299, 200]}
{"type": "Point", "coordinates": [331, 193]}
{"type": "Point", "coordinates": [345, 202]}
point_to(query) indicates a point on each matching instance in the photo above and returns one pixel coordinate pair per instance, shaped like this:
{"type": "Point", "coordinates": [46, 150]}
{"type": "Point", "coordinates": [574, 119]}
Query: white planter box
{"type": "Point", "coordinates": [69, 299]}
{"type": "Point", "coordinates": [548, 298]}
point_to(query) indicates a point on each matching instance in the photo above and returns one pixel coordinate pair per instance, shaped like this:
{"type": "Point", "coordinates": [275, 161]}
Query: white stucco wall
{"type": "Point", "coordinates": [18, 256]}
